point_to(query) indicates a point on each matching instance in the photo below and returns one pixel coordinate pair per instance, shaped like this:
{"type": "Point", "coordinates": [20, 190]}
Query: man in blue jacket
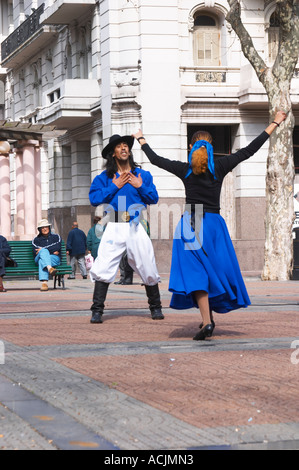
{"type": "Point", "coordinates": [125, 190]}
{"type": "Point", "coordinates": [76, 249]}
{"type": "Point", "coordinates": [46, 250]}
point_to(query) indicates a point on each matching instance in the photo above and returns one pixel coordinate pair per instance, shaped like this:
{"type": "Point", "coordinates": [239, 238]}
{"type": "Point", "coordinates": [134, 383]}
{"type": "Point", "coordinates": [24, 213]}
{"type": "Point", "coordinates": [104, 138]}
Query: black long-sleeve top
{"type": "Point", "coordinates": [203, 188]}
{"type": "Point", "coordinates": [4, 251]}
{"type": "Point", "coordinates": [4, 246]}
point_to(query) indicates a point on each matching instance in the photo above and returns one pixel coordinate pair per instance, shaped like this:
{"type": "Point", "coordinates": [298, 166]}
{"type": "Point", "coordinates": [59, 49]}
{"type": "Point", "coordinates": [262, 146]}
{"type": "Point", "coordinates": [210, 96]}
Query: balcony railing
{"type": "Point", "coordinates": [29, 27]}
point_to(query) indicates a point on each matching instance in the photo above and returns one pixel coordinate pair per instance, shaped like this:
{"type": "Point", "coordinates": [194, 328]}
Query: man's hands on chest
{"type": "Point", "coordinates": [127, 177]}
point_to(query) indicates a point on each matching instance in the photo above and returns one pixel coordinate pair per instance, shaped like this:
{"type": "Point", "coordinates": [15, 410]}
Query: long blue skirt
{"type": "Point", "coordinates": [206, 262]}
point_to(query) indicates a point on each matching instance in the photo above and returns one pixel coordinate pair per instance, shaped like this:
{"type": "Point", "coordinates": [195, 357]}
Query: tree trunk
{"type": "Point", "coordinates": [280, 165]}
{"type": "Point", "coordinates": [279, 203]}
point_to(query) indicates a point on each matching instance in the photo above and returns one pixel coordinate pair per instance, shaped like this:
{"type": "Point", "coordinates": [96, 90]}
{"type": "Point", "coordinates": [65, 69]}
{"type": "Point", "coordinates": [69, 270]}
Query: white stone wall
{"type": "Point", "coordinates": [121, 65]}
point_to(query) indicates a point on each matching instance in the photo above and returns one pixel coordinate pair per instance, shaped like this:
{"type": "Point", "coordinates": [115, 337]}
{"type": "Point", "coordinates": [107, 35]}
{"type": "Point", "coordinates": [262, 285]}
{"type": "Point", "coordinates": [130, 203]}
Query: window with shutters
{"type": "Point", "coordinates": [206, 40]}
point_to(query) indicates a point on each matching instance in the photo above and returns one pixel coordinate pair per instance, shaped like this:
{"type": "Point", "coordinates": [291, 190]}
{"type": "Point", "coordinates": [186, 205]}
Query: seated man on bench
{"type": "Point", "coordinates": [46, 250]}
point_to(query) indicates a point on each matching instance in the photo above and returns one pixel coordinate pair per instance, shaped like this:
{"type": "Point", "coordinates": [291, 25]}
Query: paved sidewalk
{"type": "Point", "coordinates": [132, 383]}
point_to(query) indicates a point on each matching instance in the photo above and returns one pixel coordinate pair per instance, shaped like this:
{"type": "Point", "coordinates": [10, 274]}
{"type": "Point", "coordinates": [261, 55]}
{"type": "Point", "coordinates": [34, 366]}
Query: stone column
{"type": "Point", "coordinates": [20, 212]}
{"type": "Point", "coordinates": [31, 184]}
{"type": "Point", "coordinates": [38, 191]}
{"type": "Point", "coordinates": [5, 220]}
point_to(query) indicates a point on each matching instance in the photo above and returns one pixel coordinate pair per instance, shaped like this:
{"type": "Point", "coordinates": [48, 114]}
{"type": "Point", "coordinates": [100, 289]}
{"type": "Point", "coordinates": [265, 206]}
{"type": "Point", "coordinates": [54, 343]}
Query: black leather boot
{"type": "Point", "coordinates": [126, 272]}
{"type": "Point", "coordinates": [128, 280]}
{"type": "Point", "coordinates": [154, 301]}
{"type": "Point", "coordinates": [99, 297]}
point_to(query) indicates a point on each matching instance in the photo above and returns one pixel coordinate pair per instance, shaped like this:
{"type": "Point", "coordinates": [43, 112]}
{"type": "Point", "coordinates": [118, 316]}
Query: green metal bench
{"type": "Point", "coordinates": [22, 253]}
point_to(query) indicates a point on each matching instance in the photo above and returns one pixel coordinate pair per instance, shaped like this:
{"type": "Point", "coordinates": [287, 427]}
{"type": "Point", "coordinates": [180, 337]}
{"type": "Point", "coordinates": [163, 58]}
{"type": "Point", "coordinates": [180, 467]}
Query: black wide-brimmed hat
{"type": "Point", "coordinates": [115, 140]}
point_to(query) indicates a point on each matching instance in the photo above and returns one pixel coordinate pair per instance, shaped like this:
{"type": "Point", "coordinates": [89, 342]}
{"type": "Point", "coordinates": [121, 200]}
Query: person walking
{"type": "Point", "coordinates": [126, 272]}
{"type": "Point", "coordinates": [5, 250]}
{"type": "Point", "coordinates": [46, 250]}
{"type": "Point", "coordinates": [125, 189]}
{"type": "Point", "coordinates": [205, 272]}
{"type": "Point", "coordinates": [76, 249]}
{"type": "Point", "coordinates": [94, 237]}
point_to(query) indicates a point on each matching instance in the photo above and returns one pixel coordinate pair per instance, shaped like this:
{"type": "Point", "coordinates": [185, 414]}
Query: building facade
{"type": "Point", "coordinates": [96, 68]}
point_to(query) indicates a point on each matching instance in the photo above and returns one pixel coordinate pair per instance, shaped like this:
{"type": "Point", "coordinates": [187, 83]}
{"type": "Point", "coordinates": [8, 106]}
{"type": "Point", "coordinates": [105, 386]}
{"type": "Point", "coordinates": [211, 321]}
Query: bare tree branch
{"type": "Point", "coordinates": [249, 51]}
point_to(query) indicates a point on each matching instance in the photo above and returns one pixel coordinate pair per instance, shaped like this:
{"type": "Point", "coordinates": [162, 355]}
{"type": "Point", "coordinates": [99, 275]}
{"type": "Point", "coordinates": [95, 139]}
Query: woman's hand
{"type": "Point", "coordinates": [280, 116]}
{"type": "Point", "coordinates": [138, 134]}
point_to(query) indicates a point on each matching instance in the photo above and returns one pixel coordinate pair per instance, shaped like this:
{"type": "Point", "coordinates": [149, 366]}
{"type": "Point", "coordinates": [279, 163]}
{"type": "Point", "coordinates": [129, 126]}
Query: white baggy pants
{"type": "Point", "coordinates": [117, 238]}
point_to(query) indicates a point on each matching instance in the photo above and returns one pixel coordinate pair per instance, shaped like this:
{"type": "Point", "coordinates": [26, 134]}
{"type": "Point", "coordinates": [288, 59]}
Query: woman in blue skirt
{"type": "Point", "coordinates": [205, 272]}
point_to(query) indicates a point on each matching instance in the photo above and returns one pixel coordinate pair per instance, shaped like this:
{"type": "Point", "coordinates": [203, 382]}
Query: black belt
{"type": "Point", "coordinates": [211, 210]}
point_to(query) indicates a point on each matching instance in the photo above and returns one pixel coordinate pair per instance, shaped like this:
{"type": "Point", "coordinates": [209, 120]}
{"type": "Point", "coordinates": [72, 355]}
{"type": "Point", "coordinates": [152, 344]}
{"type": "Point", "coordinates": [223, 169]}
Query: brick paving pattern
{"type": "Point", "coordinates": [134, 383]}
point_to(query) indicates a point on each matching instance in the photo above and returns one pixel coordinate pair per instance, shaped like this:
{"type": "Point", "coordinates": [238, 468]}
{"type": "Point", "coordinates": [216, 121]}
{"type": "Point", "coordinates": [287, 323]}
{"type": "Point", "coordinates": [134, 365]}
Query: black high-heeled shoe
{"type": "Point", "coordinates": [212, 323]}
{"type": "Point", "coordinates": [205, 332]}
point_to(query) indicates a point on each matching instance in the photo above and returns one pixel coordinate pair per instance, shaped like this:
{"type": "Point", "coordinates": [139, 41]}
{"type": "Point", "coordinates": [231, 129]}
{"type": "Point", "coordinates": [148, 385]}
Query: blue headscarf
{"type": "Point", "coordinates": [209, 147]}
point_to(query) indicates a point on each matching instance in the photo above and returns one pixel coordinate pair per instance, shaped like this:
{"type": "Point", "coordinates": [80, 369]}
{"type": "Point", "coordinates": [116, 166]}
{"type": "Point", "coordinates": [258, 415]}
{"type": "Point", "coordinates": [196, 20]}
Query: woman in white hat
{"type": "Point", "coordinates": [46, 250]}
